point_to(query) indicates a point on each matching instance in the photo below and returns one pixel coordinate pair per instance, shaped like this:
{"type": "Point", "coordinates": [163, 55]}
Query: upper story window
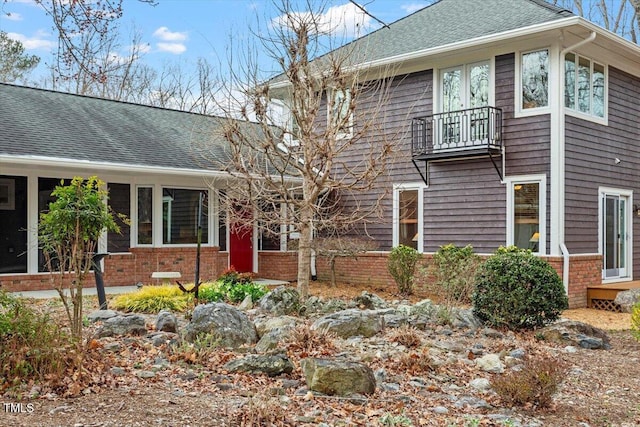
{"type": "Point", "coordinates": [534, 78]}
{"type": "Point", "coordinates": [585, 85]}
{"type": "Point", "coordinates": [340, 113]}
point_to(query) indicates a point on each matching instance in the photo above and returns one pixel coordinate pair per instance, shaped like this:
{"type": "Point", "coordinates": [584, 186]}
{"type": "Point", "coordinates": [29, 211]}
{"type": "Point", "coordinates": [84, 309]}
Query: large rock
{"type": "Point", "coordinates": [123, 324]}
{"type": "Point", "coordinates": [627, 299]}
{"type": "Point", "coordinates": [350, 323]}
{"type": "Point", "coordinates": [101, 315]}
{"type": "Point", "coordinates": [282, 300]}
{"type": "Point", "coordinates": [228, 326]}
{"type": "Point", "coordinates": [570, 332]}
{"type": "Point", "coordinates": [166, 322]}
{"type": "Point", "coordinates": [271, 365]}
{"type": "Point", "coordinates": [490, 363]}
{"type": "Point", "coordinates": [267, 324]}
{"type": "Point", "coordinates": [370, 301]}
{"type": "Point", "coordinates": [338, 378]}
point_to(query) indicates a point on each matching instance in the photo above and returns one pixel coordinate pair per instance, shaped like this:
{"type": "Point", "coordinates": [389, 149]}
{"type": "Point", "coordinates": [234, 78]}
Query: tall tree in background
{"type": "Point", "coordinates": [14, 64]}
{"type": "Point", "coordinates": [620, 16]}
{"type": "Point", "coordinates": [326, 145]}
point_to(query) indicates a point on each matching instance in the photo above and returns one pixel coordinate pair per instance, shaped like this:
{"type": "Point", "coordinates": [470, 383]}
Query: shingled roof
{"type": "Point", "coordinates": [449, 21]}
{"type": "Point", "coordinates": [56, 125]}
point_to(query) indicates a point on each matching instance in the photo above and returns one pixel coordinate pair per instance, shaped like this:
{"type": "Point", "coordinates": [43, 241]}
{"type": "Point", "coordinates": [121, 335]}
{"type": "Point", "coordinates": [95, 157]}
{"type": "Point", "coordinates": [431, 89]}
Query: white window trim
{"type": "Point", "coordinates": [437, 78]}
{"type": "Point", "coordinates": [526, 112]}
{"type": "Point", "coordinates": [160, 226]}
{"type": "Point", "coordinates": [528, 179]}
{"type": "Point", "coordinates": [339, 135]}
{"type": "Point", "coordinates": [397, 188]}
{"type": "Point", "coordinates": [624, 193]}
{"type": "Point", "coordinates": [579, 114]}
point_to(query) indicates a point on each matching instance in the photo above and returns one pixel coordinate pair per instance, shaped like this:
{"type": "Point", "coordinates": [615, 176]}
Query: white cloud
{"type": "Point", "coordinates": [165, 35]}
{"type": "Point", "coordinates": [345, 20]}
{"type": "Point", "coordinates": [31, 43]}
{"type": "Point", "coordinates": [13, 16]}
{"type": "Point", "coordinates": [175, 48]}
{"type": "Point", "coordinates": [412, 7]}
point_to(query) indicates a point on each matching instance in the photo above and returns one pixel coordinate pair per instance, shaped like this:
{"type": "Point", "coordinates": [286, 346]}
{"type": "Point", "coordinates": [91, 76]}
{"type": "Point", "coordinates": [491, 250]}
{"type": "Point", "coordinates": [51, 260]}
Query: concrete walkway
{"type": "Point", "coordinates": [111, 290]}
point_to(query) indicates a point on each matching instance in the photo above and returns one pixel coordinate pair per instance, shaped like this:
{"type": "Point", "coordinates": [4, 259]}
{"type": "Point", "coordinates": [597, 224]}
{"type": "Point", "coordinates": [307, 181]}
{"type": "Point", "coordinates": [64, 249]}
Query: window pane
{"type": "Point", "coordinates": [180, 216]}
{"type": "Point", "coordinates": [479, 85]}
{"type": "Point", "coordinates": [526, 233]}
{"type": "Point", "coordinates": [598, 90]}
{"type": "Point", "coordinates": [570, 81]}
{"type": "Point", "coordinates": [408, 216]}
{"type": "Point", "coordinates": [145, 215]}
{"type": "Point", "coordinates": [451, 90]}
{"type": "Point", "coordinates": [340, 110]}
{"type": "Point", "coordinates": [45, 188]}
{"type": "Point", "coordinates": [584, 85]}
{"type": "Point", "coordinates": [119, 202]}
{"type": "Point", "coordinates": [535, 79]}
{"type": "Point", "coordinates": [13, 224]}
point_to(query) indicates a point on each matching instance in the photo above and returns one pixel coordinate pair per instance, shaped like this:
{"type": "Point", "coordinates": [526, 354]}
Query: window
{"type": "Point", "coordinates": [145, 216]}
{"type": "Point", "coordinates": [180, 216]}
{"type": "Point", "coordinates": [119, 203]}
{"type": "Point", "coordinates": [585, 85]}
{"type": "Point", "coordinates": [407, 216]}
{"type": "Point", "coordinates": [13, 217]}
{"type": "Point", "coordinates": [340, 114]}
{"type": "Point", "coordinates": [527, 214]}
{"type": "Point", "coordinates": [534, 79]}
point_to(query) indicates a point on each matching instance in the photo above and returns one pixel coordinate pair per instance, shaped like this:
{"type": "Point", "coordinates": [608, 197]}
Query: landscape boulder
{"type": "Point", "coordinates": [350, 323]}
{"type": "Point", "coordinates": [272, 364]}
{"type": "Point", "coordinates": [282, 300]}
{"type": "Point", "coordinates": [166, 322]}
{"type": "Point", "coordinates": [227, 326]}
{"type": "Point", "coordinates": [570, 332]}
{"type": "Point", "coordinates": [627, 299]}
{"type": "Point", "coordinates": [267, 324]}
{"type": "Point", "coordinates": [123, 324]}
{"type": "Point", "coordinates": [370, 301]}
{"type": "Point", "coordinates": [338, 378]}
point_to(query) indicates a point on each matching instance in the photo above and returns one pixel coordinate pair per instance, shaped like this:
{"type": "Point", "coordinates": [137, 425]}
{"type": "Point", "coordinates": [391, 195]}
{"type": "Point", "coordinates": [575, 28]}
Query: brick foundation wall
{"type": "Point", "coordinates": [584, 270]}
{"type": "Point", "coordinates": [136, 266]}
{"type": "Point", "coordinates": [278, 265]}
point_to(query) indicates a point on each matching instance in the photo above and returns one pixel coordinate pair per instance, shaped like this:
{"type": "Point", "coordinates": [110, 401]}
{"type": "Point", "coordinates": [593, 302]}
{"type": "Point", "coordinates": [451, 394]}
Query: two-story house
{"type": "Point", "coordinates": [522, 128]}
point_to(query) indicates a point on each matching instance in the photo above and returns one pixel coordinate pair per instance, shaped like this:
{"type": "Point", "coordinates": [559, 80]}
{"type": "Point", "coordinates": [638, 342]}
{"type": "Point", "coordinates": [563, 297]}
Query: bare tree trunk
{"type": "Point", "coordinates": [304, 254]}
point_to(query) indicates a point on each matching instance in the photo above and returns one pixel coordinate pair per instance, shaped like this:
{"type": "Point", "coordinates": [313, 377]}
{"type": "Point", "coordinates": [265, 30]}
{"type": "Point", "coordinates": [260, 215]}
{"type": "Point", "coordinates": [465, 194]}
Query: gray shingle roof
{"type": "Point", "coordinates": [451, 21]}
{"type": "Point", "coordinates": [37, 122]}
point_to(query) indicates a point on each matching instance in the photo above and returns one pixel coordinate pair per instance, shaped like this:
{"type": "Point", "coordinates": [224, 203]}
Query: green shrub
{"type": "Point", "coordinates": [535, 384]}
{"type": "Point", "coordinates": [635, 321]}
{"type": "Point", "coordinates": [230, 291]}
{"type": "Point", "coordinates": [153, 299]}
{"type": "Point", "coordinates": [32, 346]}
{"type": "Point", "coordinates": [453, 273]}
{"type": "Point", "coordinates": [402, 265]}
{"type": "Point", "coordinates": [518, 290]}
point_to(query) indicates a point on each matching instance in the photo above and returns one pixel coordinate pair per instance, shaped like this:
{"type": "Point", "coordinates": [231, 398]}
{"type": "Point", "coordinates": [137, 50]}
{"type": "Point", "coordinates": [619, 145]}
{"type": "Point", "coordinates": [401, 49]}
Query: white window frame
{"type": "Point", "coordinates": [438, 95]}
{"type": "Point", "coordinates": [397, 188]}
{"type": "Point", "coordinates": [541, 180]}
{"type": "Point", "coordinates": [160, 226]}
{"type": "Point", "coordinates": [575, 112]}
{"type": "Point", "coordinates": [522, 112]}
{"type": "Point", "coordinates": [331, 103]}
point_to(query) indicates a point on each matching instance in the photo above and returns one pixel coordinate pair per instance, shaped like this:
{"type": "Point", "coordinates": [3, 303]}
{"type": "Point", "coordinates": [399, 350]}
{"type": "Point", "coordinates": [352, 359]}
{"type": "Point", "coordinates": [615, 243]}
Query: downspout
{"type": "Point", "coordinates": [558, 184]}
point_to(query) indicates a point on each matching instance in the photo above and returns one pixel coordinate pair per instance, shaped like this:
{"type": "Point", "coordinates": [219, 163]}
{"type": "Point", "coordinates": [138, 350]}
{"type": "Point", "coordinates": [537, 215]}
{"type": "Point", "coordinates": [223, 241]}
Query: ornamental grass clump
{"type": "Point", "coordinates": [635, 321]}
{"type": "Point", "coordinates": [153, 299]}
{"type": "Point", "coordinates": [516, 290]}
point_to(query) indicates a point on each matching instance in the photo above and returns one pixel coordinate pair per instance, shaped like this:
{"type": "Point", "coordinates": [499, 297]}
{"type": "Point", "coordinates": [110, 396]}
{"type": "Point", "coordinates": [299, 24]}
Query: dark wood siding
{"type": "Point", "coordinates": [591, 150]}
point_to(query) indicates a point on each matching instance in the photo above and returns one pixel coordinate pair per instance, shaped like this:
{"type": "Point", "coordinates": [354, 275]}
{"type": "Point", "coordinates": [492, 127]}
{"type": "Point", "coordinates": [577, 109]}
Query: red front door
{"type": "Point", "coordinates": [241, 246]}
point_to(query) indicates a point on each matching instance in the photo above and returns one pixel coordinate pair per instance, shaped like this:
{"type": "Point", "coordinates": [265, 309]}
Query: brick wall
{"type": "Point", "coordinates": [278, 265]}
{"type": "Point", "coordinates": [136, 266]}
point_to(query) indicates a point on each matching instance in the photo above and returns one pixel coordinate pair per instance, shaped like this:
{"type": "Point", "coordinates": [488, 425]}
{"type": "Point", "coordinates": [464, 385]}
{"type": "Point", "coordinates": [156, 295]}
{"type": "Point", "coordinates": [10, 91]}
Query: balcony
{"type": "Point", "coordinates": [464, 133]}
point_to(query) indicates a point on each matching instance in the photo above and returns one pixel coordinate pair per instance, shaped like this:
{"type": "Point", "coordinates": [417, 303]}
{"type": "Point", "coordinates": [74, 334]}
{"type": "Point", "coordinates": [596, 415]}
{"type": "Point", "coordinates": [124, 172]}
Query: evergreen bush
{"type": "Point", "coordinates": [516, 289]}
{"type": "Point", "coordinates": [402, 265]}
{"type": "Point", "coordinates": [453, 273]}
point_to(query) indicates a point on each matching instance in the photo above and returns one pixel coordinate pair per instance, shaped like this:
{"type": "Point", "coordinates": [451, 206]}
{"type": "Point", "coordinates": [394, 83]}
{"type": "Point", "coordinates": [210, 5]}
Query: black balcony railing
{"type": "Point", "coordinates": [457, 133]}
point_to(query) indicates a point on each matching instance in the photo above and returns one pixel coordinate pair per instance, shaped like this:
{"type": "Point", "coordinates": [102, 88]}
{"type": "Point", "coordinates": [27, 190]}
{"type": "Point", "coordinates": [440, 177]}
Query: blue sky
{"type": "Point", "coordinates": [184, 30]}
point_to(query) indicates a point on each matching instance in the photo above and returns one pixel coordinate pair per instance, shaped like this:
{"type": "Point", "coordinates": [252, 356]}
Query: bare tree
{"type": "Point", "coordinates": [620, 16]}
{"type": "Point", "coordinates": [322, 149]}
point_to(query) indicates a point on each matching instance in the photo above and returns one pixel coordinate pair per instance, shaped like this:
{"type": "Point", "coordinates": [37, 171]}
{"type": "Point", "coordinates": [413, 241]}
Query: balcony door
{"type": "Point", "coordinates": [615, 235]}
{"type": "Point", "coordinates": [464, 90]}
